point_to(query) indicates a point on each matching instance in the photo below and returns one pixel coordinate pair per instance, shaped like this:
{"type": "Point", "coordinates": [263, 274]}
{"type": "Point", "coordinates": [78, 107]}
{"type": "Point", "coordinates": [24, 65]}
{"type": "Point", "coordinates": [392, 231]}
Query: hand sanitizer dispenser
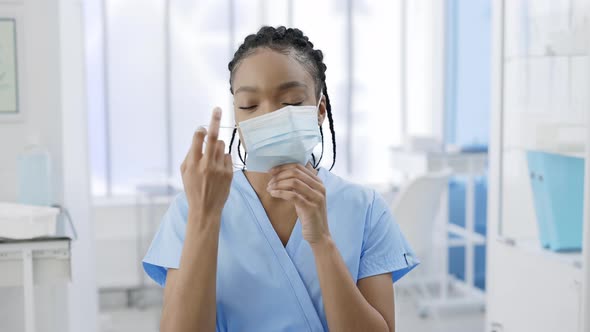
{"type": "Point", "coordinates": [34, 175]}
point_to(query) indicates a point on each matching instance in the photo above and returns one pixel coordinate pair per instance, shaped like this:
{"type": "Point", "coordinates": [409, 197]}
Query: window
{"type": "Point", "coordinates": [156, 68]}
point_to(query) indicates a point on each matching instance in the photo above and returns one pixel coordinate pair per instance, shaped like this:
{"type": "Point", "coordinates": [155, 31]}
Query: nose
{"type": "Point", "coordinates": [268, 106]}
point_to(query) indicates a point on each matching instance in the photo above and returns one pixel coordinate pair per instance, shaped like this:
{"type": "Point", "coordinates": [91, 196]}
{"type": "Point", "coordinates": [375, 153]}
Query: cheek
{"type": "Point", "coordinates": [242, 115]}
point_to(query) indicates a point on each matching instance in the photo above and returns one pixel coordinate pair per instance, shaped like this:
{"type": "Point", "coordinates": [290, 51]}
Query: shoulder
{"type": "Point", "coordinates": [343, 193]}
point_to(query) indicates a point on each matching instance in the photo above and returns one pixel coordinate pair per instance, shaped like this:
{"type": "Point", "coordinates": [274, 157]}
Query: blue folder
{"type": "Point", "coordinates": [557, 182]}
{"type": "Point", "coordinates": [535, 160]}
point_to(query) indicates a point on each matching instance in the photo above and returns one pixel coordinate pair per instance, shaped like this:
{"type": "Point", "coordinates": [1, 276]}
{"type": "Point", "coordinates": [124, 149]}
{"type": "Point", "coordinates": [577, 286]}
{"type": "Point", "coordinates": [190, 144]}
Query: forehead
{"type": "Point", "coordinates": [266, 69]}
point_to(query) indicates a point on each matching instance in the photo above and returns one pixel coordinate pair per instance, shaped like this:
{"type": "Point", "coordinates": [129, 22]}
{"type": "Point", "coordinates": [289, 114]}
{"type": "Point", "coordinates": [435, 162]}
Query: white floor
{"type": "Point", "coordinates": [129, 319]}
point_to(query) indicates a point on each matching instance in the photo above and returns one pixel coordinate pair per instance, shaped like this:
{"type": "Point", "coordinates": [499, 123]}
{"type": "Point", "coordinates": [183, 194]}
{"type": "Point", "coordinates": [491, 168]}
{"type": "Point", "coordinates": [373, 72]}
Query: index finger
{"type": "Point", "coordinates": [213, 132]}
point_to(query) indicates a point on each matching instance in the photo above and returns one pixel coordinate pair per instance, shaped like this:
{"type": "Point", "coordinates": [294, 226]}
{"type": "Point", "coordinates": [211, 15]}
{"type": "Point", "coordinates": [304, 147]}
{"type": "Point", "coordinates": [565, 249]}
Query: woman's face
{"type": "Point", "coordinates": [266, 81]}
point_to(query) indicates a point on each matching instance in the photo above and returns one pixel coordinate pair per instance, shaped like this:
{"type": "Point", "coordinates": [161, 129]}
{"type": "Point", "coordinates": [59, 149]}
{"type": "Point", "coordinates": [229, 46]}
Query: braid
{"type": "Point", "coordinates": [331, 124]}
{"type": "Point", "coordinates": [291, 42]}
{"type": "Point", "coordinates": [315, 165]}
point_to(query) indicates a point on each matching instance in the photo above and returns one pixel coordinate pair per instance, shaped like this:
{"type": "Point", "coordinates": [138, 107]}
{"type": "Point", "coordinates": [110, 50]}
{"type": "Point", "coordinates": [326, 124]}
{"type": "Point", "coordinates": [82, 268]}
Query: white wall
{"type": "Point", "coordinates": [39, 56]}
{"type": "Point", "coordinates": [54, 106]}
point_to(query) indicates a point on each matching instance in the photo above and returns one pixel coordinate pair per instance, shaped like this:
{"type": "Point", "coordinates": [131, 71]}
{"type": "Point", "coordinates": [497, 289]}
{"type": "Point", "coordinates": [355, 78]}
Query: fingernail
{"type": "Point", "coordinates": [217, 112]}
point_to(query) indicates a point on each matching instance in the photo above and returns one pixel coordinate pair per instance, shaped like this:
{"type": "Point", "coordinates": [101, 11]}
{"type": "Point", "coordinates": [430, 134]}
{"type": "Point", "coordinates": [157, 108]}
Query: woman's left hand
{"type": "Point", "coordinates": [301, 186]}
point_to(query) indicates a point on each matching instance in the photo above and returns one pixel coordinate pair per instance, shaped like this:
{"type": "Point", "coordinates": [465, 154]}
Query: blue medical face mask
{"type": "Point", "coordinates": [287, 135]}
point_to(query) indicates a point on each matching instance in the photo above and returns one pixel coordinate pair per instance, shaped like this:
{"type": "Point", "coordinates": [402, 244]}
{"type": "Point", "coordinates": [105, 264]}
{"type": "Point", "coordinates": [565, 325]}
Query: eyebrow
{"type": "Point", "coordinates": [246, 89]}
{"type": "Point", "coordinates": [291, 84]}
{"type": "Point", "coordinates": [281, 87]}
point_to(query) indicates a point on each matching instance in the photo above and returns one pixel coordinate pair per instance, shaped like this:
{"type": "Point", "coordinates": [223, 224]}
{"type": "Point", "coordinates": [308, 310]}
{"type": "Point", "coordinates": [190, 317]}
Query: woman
{"type": "Point", "coordinates": [282, 245]}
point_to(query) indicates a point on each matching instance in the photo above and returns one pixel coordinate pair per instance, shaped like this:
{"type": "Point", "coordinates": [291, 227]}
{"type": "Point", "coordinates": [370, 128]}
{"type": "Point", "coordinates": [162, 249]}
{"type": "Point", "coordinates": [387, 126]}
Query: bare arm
{"type": "Point", "coordinates": [189, 294]}
{"type": "Point", "coordinates": [367, 306]}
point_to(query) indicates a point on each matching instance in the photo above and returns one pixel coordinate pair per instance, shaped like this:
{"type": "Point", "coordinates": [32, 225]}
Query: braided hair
{"type": "Point", "coordinates": [291, 42]}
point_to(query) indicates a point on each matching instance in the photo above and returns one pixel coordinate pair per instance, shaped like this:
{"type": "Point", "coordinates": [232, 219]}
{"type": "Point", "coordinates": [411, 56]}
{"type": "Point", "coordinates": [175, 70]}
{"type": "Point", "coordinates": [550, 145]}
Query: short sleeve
{"type": "Point", "coordinates": [166, 247]}
{"type": "Point", "coordinates": [385, 249]}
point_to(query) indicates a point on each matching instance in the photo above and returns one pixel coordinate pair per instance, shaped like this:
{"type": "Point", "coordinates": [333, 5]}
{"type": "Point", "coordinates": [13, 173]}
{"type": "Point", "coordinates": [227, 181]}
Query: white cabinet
{"type": "Point", "coordinates": [541, 102]}
{"type": "Point", "coordinates": [531, 290]}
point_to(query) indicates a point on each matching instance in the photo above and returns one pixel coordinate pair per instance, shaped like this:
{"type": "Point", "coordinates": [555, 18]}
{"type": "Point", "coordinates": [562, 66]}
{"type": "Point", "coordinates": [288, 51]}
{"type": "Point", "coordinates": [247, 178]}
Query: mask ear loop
{"type": "Point", "coordinates": [241, 166]}
{"type": "Point", "coordinates": [242, 159]}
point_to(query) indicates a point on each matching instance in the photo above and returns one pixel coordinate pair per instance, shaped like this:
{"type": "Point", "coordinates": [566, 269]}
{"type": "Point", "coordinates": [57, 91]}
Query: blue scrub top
{"type": "Point", "coordinates": [265, 286]}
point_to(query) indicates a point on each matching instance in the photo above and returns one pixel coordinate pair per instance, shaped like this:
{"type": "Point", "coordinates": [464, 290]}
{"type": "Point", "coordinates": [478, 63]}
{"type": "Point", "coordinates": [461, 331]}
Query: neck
{"type": "Point", "coordinates": [258, 181]}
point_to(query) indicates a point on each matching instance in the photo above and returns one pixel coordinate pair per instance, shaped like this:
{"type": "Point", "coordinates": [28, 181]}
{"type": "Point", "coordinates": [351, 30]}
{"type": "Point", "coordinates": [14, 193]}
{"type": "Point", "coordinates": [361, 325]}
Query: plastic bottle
{"type": "Point", "coordinates": [34, 175]}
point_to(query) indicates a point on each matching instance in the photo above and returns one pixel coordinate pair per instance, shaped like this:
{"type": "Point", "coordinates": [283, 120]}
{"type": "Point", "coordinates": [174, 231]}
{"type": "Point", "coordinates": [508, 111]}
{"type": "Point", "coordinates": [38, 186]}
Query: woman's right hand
{"type": "Point", "coordinates": [207, 175]}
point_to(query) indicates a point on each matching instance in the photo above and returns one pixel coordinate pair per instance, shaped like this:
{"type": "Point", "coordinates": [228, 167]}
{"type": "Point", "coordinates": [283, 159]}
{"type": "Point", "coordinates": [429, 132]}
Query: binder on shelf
{"type": "Point", "coordinates": [557, 182]}
{"type": "Point", "coordinates": [535, 161]}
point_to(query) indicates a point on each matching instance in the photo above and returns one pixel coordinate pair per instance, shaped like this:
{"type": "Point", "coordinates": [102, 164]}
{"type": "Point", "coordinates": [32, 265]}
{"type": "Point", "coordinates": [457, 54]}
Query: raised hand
{"type": "Point", "coordinates": [207, 175]}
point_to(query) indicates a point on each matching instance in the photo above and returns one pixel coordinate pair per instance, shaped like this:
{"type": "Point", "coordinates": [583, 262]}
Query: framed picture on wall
{"type": "Point", "coordinates": [10, 66]}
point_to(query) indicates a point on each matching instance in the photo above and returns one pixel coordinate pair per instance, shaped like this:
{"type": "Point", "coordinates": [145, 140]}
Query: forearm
{"type": "Point", "coordinates": [346, 308]}
{"type": "Point", "coordinates": [191, 303]}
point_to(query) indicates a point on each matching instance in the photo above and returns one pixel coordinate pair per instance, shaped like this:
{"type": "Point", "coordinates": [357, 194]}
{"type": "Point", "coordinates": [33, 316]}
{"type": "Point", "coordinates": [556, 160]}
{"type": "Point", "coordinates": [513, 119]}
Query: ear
{"type": "Point", "coordinates": [322, 111]}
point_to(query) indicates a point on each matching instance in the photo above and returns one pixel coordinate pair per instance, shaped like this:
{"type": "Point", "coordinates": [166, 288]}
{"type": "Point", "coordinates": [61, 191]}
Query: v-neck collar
{"type": "Point", "coordinates": [285, 256]}
{"type": "Point", "coordinates": [254, 201]}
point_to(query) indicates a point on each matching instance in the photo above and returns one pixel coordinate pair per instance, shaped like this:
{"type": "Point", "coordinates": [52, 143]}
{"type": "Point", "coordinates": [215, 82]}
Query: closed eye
{"type": "Point", "coordinates": [293, 104]}
{"type": "Point", "coordinates": [248, 107]}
